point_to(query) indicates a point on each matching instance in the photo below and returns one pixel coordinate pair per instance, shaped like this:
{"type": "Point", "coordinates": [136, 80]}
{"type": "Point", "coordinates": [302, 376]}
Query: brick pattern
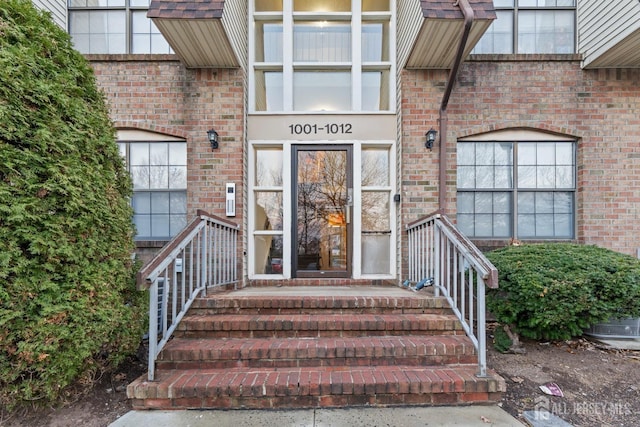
{"type": "Point", "coordinates": [541, 92]}
{"type": "Point", "coordinates": [342, 355]}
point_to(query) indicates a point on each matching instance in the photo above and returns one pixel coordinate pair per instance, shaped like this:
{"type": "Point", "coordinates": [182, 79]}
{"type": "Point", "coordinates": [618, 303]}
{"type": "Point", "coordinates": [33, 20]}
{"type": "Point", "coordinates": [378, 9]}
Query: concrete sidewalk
{"type": "Point", "coordinates": [464, 416]}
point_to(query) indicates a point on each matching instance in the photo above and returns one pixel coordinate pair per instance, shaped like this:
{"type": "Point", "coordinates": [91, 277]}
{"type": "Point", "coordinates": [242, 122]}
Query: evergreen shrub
{"type": "Point", "coordinates": [556, 290]}
{"type": "Point", "coordinates": [68, 304]}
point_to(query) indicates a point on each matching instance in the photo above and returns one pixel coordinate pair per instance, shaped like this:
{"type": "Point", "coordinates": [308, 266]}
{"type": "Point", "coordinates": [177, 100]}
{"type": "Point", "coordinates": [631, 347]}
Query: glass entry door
{"type": "Point", "coordinates": [322, 202]}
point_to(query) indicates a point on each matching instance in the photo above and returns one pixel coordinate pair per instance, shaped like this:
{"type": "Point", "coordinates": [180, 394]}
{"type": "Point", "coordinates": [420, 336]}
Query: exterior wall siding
{"type": "Point", "coordinates": [234, 20]}
{"type": "Point", "coordinates": [163, 96]}
{"type": "Point", "coordinates": [57, 8]}
{"type": "Point", "coordinates": [603, 24]}
{"type": "Point", "coordinates": [598, 107]}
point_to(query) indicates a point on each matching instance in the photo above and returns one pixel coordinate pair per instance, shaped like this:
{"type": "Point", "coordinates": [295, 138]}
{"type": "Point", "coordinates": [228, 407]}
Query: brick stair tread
{"type": "Point", "coordinates": [315, 381]}
{"type": "Point", "coordinates": [202, 349]}
{"type": "Point", "coordinates": [346, 322]}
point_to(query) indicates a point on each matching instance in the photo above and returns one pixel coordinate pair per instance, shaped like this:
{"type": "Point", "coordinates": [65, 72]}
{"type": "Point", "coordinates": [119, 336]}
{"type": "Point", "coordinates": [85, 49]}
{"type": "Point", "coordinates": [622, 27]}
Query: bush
{"type": "Point", "coordinates": [68, 305]}
{"type": "Point", "coordinates": [556, 290]}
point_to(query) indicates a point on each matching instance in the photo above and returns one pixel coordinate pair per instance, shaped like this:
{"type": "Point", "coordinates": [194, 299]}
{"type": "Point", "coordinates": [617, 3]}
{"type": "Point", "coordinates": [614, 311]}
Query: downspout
{"type": "Point", "coordinates": [467, 11]}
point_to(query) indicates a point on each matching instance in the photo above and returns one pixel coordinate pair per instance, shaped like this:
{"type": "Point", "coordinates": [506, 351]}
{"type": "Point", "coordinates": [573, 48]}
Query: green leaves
{"type": "Point", "coordinates": [67, 296]}
{"type": "Point", "coordinates": [556, 290]}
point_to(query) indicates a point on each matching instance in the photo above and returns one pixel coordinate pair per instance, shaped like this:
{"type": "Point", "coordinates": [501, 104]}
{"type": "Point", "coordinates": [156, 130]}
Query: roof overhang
{"type": "Point", "coordinates": [624, 54]}
{"type": "Point", "coordinates": [443, 24]}
{"type": "Point", "coordinates": [196, 31]}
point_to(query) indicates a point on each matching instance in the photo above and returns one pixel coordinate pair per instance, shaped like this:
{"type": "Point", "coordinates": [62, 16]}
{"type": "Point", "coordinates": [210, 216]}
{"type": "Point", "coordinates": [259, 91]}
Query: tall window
{"type": "Point", "coordinates": [524, 190]}
{"type": "Point", "coordinates": [322, 55]}
{"type": "Point", "coordinates": [114, 27]}
{"type": "Point", "coordinates": [531, 26]}
{"type": "Point", "coordinates": [159, 174]}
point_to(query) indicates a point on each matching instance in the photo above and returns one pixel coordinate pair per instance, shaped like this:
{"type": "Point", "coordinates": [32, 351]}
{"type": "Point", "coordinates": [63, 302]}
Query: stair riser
{"type": "Point", "coordinates": [315, 311]}
{"type": "Point", "coordinates": [320, 362]}
{"type": "Point", "coordinates": [311, 333]}
{"type": "Point", "coordinates": [301, 402]}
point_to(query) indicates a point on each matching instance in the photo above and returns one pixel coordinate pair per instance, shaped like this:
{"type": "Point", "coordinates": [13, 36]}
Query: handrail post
{"type": "Point", "coordinates": [482, 333]}
{"type": "Point", "coordinates": [437, 258]}
{"type": "Point", "coordinates": [204, 242]}
{"type": "Point", "coordinates": [153, 329]}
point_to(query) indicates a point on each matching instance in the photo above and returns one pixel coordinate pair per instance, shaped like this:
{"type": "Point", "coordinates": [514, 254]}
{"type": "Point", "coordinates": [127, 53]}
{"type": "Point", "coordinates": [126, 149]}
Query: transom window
{"type": "Point", "coordinates": [159, 174]}
{"type": "Point", "coordinates": [524, 190]}
{"type": "Point", "coordinates": [114, 27]}
{"type": "Point", "coordinates": [322, 55]}
{"type": "Point", "coordinates": [531, 26]}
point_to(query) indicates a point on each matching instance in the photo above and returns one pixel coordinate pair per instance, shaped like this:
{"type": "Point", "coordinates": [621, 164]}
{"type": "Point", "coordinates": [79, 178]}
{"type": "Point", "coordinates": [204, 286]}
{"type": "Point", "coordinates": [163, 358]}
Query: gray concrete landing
{"type": "Point", "coordinates": [442, 416]}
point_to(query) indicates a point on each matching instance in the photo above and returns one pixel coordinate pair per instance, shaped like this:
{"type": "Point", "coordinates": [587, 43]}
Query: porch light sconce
{"type": "Point", "coordinates": [431, 138]}
{"type": "Point", "coordinates": [212, 135]}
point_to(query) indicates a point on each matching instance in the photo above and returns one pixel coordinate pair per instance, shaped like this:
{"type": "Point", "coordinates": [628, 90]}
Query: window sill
{"type": "Point", "coordinates": [150, 244]}
{"type": "Point", "coordinates": [524, 57]}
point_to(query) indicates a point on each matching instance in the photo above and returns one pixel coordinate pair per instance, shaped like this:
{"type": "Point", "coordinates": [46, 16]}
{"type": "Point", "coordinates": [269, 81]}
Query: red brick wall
{"type": "Point", "coordinates": [598, 107]}
{"type": "Point", "coordinates": [163, 96]}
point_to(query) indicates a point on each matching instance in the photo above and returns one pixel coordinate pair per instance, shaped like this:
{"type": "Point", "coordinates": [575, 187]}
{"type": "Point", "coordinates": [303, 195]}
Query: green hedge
{"type": "Point", "coordinates": [556, 290]}
{"type": "Point", "coordinates": [68, 305]}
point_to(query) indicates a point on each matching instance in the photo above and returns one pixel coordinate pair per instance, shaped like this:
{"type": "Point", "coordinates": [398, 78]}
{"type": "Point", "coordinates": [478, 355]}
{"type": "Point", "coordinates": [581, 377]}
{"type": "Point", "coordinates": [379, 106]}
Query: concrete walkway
{"type": "Point", "coordinates": [464, 416]}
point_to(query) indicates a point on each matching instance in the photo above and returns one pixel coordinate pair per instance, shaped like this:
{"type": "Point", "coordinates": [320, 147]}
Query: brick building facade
{"type": "Point", "coordinates": [560, 122]}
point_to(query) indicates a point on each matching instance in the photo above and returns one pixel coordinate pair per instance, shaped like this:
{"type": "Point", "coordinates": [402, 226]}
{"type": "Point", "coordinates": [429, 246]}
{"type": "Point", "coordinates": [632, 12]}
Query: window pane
{"type": "Point", "coordinates": [159, 202]}
{"type": "Point", "coordinates": [268, 254]}
{"type": "Point", "coordinates": [158, 177]}
{"type": "Point", "coordinates": [376, 254]}
{"type": "Point", "coordinates": [375, 211]}
{"type": "Point", "coordinates": [160, 226]}
{"type": "Point", "coordinates": [177, 153]}
{"type": "Point", "coordinates": [499, 37]}
{"type": "Point", "coordinates": [321, 42]}
{"type": "Point", "coordinates": [268, 210]}
{"type": "Point", "coordinates": [483, 203]}
{"type": "Point", "coordinates": [527, 177]}
{"type": "Point", "coordinates": [502, 225]}
{"type": "Point", "coordinates": [321, 91]}
{"type": "Point", "coordinates": [176, 224]}
{"type": "Point", "coordinates": [527, 153]}
{"type": "Point", "coordinates": [375, 89]}
{"type": "Point", "coordinates": [546, 31]}
{"type": "Point", "coordinates": [466, 177]}
{"type": "Point", "coordinates": [563, 203]}
{"type": "Point", "coordinates": [143, 225]}
{"type": "Point", "coordinates": [546, 154]}
{"type": "Point", "coordinates": [268, 5]}
{"type": "Point", "coordinates": [484, 154]}
{"type": "Point", "coordinates": [484, 177]}
{"type": "Point", "coordinates": [544, 203]}
{"type": "Point", "coordinates": [139, 153]}
{"type": "Point", "coordinates": [268, 168]}
{"type": "Point", "coordinates": [504, 153]}
{"type": "Point", "coordinates": [501, 202]}
{"type": "Point", "coordinates": [159, 154]}
{"type": "Point", "coordinates": [375, 42]}
{"type": "Point", "coordinates": [375, 5]}
{"type": "Point", "coordinates": [321, 6]}
{"type": "Point", "coordinates": [465, 203]}
{"type": "Point", "coordinates": [177, 177]}
{"type": "Point", "coordinates": [564, 153]}
{"type": "Point", "coordinates": [268, 41]}
{"type": "Point", "coordinates": [544, 225]}
{"type": "Point", "coordinates": [484, 226]}
{"type": "Point", "coordinates": [466, 154]}
{"type": "Point", "coordinates": [545, 176]}
{"type": "Point", "coordinates": [178, 202]}
{"type": "Point", "coordinates": [526, 226]}
{"type": "Point", "coordinates": [526, 202]}
{"type": "Point", "coordinates": [141, 202]}
{"type": "Point", "coordinates": [140, 177]}
{"type": "Point", "coordinates": [503, 3]}
{"type": "Point", "coordinates": [465, 224]}
{"type": "Point", "coordinates": [269, 91]}
{"type": "Point", "coordinates": [503, 177]}
{"type": "Point", "coordinates": [563, 225]}
{"type": "Point", "coordinates": [375, 167]}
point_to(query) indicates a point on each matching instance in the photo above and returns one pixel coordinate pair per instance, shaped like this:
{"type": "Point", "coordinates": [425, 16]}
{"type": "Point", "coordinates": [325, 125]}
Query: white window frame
{"type": "Point", "coordinates": [356, 66]}
{"type": "Point", "coordinates": [287, 201]}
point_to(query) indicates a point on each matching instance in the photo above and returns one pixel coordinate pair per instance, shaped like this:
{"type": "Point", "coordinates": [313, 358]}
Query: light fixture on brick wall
{"type": "Point", "coordinates": [212, 135]}
{"type": "Point", "coordinates": [431, 138]}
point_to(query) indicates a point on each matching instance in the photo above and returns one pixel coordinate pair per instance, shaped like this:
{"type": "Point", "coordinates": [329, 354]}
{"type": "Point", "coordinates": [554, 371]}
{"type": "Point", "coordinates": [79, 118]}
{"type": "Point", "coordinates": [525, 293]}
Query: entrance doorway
{"type": "Point", "coordinates": [322, 189]}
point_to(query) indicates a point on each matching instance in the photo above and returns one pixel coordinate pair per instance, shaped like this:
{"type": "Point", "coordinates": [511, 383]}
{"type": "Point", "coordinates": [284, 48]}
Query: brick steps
{"type": "Point", "coordinates": [311, 347]}
{"type": "Point", "coordinates": [315, 386]}
{"type": "Point", "coordinates": [309, 325]}
{"type": "Point", "coordinates": [183, 353]}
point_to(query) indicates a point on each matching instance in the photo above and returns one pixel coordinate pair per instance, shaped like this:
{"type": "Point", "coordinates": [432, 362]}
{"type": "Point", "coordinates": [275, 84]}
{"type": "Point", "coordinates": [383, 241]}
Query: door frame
{"type": "Point", "coordinates": [295, 272]}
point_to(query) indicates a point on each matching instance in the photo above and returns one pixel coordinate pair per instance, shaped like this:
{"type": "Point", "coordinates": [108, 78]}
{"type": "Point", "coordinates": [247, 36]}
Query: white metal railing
{"type": "Point", "coordinates": [204, 254]}
{"type": "Point", "coordinates": [459, 271]}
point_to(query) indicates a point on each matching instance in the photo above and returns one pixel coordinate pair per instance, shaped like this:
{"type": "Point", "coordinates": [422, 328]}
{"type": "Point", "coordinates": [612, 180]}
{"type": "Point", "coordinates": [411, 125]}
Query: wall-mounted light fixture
{"type": "Point", "coordinates": [212, 135]}
{"type": "Point", "coordinates": [431, 138]}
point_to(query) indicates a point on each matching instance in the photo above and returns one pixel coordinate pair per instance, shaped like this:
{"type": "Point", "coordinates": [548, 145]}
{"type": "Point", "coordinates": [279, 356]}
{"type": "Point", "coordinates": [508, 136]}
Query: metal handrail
{"type": "Point", "coordinates": [458, 270]}
{"type": "Point", "coordinates": [204, 254]}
